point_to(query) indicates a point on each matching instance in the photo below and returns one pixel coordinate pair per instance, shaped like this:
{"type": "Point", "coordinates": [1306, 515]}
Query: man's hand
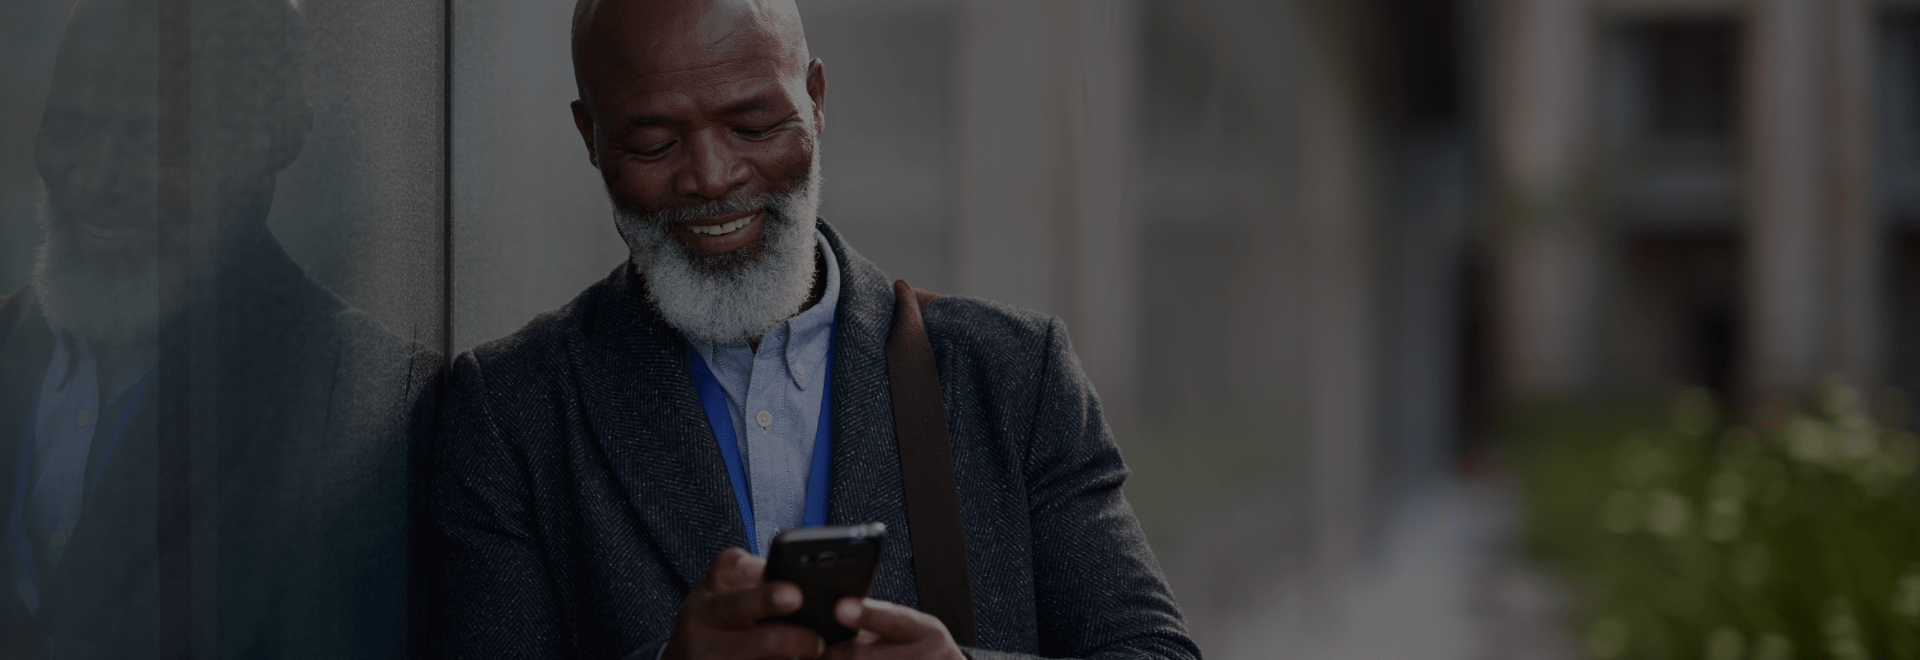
{"type": "Point", "coordinates": [720, 620]}
{"type": "Point", "coordinates": [891, 632]}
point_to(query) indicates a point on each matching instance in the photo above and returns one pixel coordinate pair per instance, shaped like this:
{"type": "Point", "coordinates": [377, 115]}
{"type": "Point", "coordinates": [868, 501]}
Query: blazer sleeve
{"type": "Point", "coordinates": [1099, 590]}
{"type": "Point", "coordinates": [490, 594]}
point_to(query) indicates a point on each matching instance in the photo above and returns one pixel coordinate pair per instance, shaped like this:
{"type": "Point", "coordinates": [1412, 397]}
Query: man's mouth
{"type": "Point", "coordinates": [722, 235]}
{"type": "Point", "coordinates": [723, 228]}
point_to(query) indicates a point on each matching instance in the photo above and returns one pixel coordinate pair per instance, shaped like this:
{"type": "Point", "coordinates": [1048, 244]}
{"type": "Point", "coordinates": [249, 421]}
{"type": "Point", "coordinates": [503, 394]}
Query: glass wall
{"type": "Point", "coordinates": [223, 239]}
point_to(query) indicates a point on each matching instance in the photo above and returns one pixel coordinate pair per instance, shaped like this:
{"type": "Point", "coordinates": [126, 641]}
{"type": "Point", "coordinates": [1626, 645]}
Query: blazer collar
{"type": "Point", "coordinates": [865, 485]}
{"type": "Point", "coordinates": [862, 408]}
{"type": "Point", "coordinates": [643, 413]}
{"type": "Point", "coordinates": [25, 346]}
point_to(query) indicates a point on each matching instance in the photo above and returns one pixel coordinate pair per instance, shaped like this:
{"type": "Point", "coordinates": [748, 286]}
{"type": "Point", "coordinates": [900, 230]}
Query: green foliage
{"type": "Point", "coordinates": [1683, 536]}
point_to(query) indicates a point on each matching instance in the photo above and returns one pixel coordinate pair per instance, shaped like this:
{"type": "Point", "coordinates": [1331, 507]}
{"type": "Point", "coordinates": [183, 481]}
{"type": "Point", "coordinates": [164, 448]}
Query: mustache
{"type": "Point", "coordinates": [738, 203]}
{"type": "Point", "coordinates": [62, 237]}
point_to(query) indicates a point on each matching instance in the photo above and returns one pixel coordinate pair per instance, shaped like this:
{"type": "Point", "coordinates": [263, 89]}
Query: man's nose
{"type": "Point", "coordinates": [104, 169]}
{"type": "Point", "coordinates": [712, 169]}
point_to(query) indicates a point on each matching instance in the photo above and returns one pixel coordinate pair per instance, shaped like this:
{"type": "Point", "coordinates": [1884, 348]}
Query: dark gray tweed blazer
{"type": "Point", "coordinates": [578, 493]}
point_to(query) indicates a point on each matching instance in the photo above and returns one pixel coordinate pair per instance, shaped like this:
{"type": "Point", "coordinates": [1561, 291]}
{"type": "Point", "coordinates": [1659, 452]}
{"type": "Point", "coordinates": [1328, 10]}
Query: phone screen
{"type": "Point", "coordinates": [827, 563]}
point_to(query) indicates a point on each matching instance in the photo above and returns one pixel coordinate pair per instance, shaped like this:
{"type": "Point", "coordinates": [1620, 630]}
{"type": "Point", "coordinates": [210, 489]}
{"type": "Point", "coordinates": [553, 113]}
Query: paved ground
{"type": "Point", "coordinates": [1443, 582]}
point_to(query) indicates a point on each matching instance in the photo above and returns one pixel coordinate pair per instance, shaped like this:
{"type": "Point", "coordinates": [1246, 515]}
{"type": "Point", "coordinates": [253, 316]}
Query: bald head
{"type": "Point", "coordinates": [639, 32]}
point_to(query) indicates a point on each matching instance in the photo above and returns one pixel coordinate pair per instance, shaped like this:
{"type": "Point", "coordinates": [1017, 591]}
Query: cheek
{"type": "Point", "coordinates": [98, 166]}
{"type": "Point", "coordinates": [70, 175]}
{"type": "Point", "coordinates": [645, 184]}
{"type": "Point", "coordinates": [54, 162]}
{"type": "Point", "coordinates": [784, 162]}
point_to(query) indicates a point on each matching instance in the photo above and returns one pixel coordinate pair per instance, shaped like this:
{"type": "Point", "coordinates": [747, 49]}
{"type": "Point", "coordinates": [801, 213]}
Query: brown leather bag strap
{"type": "Point", "coordinates": [926, 468]}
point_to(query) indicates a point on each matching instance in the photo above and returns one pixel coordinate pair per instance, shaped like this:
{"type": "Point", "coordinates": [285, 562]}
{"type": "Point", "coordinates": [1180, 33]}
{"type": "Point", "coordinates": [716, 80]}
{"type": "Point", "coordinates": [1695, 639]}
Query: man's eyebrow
{"type": "Point", "coordinates": [738, 107]}
{"type": "Point", "coordinates": [745, 106]}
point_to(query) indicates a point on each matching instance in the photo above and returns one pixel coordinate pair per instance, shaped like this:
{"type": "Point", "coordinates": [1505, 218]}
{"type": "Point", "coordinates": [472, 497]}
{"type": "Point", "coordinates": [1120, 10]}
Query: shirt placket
{"type": "Point", "coordinates": [766, 426]}
{"type": "Point", "coordinates": [64, 436]}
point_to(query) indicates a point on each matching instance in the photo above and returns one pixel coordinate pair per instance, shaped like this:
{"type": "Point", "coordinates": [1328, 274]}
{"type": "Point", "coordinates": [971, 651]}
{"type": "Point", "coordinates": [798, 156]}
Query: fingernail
{"type": "Point", "coordinates": [786, 598]}
{"type": "Point", "coordinates": [848, 610]}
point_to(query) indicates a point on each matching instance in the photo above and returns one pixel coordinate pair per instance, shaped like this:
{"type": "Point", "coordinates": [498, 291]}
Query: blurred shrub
{"type": "Point", "coordinates": [1683, 536]}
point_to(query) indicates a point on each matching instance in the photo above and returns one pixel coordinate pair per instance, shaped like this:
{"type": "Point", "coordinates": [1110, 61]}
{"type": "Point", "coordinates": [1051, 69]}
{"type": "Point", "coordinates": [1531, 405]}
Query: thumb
{"type": "Point", "coordinates": [891, 622]}
{"type": "Point", "coordinates": [734, 570]}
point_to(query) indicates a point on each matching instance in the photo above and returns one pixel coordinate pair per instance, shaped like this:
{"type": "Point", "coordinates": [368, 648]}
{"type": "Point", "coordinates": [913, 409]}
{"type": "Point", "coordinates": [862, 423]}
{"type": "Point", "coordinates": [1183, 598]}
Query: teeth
{"type": "Point", "coordinates": [717, 230]}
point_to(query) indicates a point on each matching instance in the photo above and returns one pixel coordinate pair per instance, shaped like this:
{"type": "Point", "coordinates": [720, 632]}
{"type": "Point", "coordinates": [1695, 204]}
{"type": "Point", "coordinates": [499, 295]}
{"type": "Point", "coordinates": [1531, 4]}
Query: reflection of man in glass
{"type": "Point", "coordinates": [586, 490]}
{"type": "Point", "coordinates": [298, 511]}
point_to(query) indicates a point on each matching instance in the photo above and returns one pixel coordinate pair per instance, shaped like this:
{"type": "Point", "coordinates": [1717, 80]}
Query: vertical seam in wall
{"type": "Point", "coordinates": [446, 182]}
{"type": "Point", "coordinates": [421, 448]}
{"type": "Point", "coordinates": [174, 403]}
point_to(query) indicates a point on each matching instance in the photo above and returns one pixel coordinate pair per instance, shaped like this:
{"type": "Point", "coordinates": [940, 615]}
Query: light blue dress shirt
{"type": "Point", "coordinates": [774, 395]}
{"type": "Point", "coordinates": [82, 389]}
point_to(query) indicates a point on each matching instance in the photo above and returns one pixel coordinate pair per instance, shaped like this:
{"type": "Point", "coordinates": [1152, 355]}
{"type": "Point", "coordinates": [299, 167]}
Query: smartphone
{"type": "Point", "coordinates": [827, 562]}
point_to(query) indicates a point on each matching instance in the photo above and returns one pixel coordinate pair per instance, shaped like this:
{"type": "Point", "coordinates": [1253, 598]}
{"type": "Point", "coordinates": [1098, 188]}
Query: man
{"type": "Point", "coordinates": [582, 502]}
{"type": "Point", "coordinates": [295, 407]}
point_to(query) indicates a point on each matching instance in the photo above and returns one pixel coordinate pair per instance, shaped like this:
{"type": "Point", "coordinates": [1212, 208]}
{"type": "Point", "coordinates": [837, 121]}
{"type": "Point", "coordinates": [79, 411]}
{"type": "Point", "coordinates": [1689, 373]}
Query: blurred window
{"type": "Point", "coordinates": [1693, 78]}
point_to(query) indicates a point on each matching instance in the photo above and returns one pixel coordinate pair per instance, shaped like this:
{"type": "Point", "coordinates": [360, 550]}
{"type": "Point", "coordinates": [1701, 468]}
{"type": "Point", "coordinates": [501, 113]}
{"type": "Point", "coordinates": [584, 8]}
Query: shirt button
{"type": "Point", "coordinates": [84, 418]}
{"type": "Point", "coordinates": [799, 368]}
{"type": "Point", "coordinates": [59, 539]}
{"type": "Point", "coordinates": [764, 418]}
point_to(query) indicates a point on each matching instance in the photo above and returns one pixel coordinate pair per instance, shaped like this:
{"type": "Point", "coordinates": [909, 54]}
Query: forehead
{"type": "Point", "coordinates": [107, 58]}
{"type": "Point", "coordinates": [690, 52]}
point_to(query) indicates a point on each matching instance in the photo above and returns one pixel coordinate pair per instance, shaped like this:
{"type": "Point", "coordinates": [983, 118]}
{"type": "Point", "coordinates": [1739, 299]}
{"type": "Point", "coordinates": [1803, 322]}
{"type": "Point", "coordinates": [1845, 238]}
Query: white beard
{"type": "Point", "coordinates": [735, 297]}
{"type": "Point", "coordinates": [113, 299]}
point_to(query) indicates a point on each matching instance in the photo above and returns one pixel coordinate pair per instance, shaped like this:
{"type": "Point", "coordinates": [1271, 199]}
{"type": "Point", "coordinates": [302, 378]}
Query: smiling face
{"type": "Point", "coordinates": [687, 103]}
{"type": "Point", "coordinates": [97, 152]}
{"type": "Point", "coordinates": [97, 148]}
{"type": "Point", "coordinates": [703, 118]}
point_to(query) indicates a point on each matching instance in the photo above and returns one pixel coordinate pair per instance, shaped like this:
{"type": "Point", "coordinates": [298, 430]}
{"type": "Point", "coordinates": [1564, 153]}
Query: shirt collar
{"type": "Point", "coordinates": [809, 331]}
{"type": "Point", "coordinates": [119, 367]}
{"type": "Point", "coordinates": [806, 334]}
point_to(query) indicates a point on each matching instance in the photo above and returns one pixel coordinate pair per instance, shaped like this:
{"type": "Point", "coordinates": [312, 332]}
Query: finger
{"type": "Point", "coordinates": [733, 570]}
{"type": "Point", "coordinates": [847, 611]}
{"type": "Point", "coordinates": [847, 650]}
{"type": "Point", "coordinates": [893, 623]}
{"type": "Point", "coordinates": [773, 640]}
{"type": "Point", "coordinates": [739, 609]}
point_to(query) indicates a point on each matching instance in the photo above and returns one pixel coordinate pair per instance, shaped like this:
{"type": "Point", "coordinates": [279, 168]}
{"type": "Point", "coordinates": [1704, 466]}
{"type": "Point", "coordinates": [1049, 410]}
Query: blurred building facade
{"type": "Point", "coordinates": [1310, 249]}
{"type": "Point", "coordinates": [1701, 192]}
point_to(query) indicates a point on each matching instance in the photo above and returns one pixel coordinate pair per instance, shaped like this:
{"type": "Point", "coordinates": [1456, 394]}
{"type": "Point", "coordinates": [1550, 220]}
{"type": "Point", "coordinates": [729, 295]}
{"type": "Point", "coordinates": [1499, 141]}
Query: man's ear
{"type": "Point", "coordinates": [817, 90]}
{"type": "Point", "coordinates": [583, 120]}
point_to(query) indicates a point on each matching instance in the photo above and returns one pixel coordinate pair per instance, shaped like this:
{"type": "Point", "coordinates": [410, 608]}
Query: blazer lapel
{"type": "Point", "coordinates": [645, 416]}
{"type": "Point", "coordinates": [114, 548]}
{"type": "Point", "coordinates": [25, 346]}
{"type": "Point", "coordinates": [865, 472]}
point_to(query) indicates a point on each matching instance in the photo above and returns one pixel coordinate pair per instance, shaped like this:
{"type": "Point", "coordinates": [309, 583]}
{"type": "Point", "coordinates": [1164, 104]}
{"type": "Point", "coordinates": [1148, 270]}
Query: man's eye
{"type": "Point", "coordinates": [657, 150]}
{"type": "Point", "coordinates": [752, 132]}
